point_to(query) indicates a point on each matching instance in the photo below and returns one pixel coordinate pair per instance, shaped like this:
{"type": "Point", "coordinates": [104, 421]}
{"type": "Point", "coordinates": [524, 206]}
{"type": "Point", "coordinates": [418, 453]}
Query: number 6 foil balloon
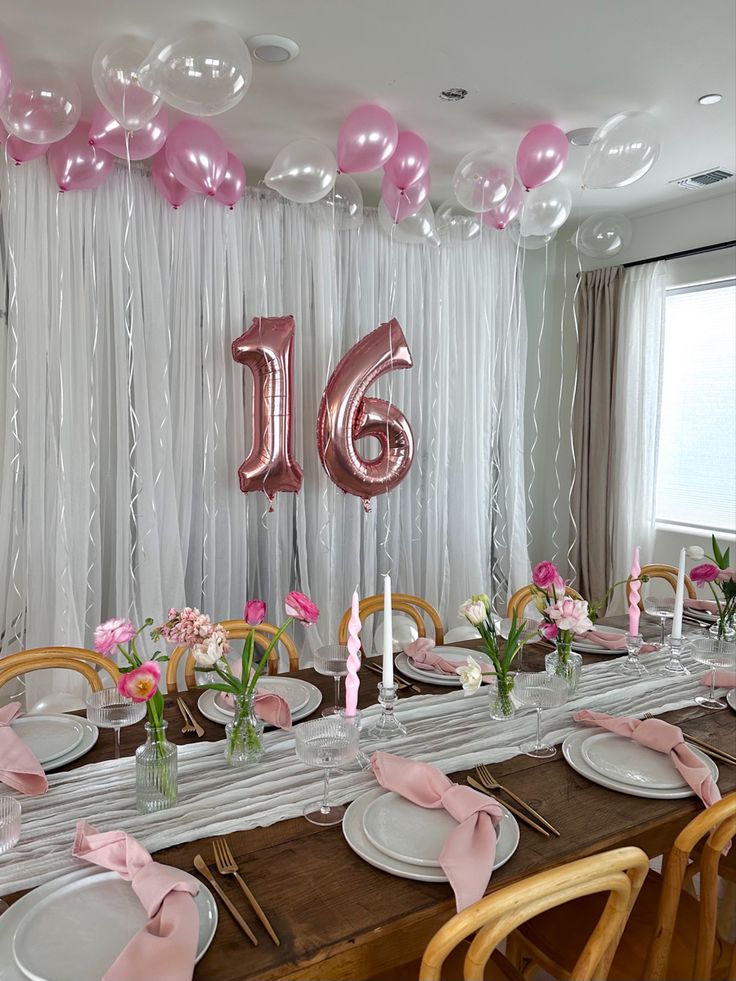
{"type": "Point", "coordinates": [346, 415]}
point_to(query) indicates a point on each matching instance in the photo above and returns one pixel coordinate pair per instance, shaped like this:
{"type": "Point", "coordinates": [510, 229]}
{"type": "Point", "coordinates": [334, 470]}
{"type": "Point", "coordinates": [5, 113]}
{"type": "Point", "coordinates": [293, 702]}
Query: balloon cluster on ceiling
{"type": "Point", "coordinates": [206, 69]}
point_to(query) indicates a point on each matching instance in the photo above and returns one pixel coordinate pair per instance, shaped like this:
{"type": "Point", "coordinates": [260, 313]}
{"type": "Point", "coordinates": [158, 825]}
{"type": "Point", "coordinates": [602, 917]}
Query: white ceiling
{"type": "Point", "coordinates": [571, 62]}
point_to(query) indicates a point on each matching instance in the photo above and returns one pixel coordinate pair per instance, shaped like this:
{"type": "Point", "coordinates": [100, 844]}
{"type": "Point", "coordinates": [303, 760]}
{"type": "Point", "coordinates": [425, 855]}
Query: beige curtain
{"type": "Point", "coordinates": [597, 308]}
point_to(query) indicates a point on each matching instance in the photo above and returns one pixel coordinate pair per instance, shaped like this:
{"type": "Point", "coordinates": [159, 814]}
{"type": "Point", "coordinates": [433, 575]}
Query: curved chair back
{"type": "Point", "coordinates": [524, 596]}
{"type": "Point", "coordinates": [666, 572]}
{"type": "Point", "coordinates": [77, 659]}
{"type": "Point", "coordinates": [238, 630]}
{"type": "Point", "coordinates": [412, 606]}
{"type": "Point", "coordinates": [620, 873]}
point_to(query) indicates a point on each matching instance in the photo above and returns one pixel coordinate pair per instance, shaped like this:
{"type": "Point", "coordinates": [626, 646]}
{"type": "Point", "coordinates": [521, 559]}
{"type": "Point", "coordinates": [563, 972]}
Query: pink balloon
{"type": "Point", "coordinates": [196, 156]}
{"type": "Point", "coordinates": [106, 131]}
{"type": "Point", "coordinates": [541, 155]}
{"type": "Point", "coordinates": [75, 164]}
{"type": "Point", "coordinates": [505, 212]}
{"type": "Point", "coordinates": [166, 184]}
{"type": "Point", "coordinates": [233, 183]}
{"type": "Point", "coordinates": [5, 73]}
{"type": "Point", "coordinates": [367, 139]}
{"type": "Point", "coordinates": [410, 161]}
{"type": "Point", "coordinates": [403, 204]}
{"type": "Point", "coordinates": [19, 150]}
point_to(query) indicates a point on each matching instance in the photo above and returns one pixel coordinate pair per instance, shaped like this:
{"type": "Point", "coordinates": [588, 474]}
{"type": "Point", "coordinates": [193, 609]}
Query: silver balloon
{"type": "Point", "coordinates": [456, 224]}
{"type": "Point", "coordinates": [603, 236]}
{"type": "Point", "coordinates": [622, 150]}
{"type": "Point", "coordinates": [545, 208]}
{"type": "Point", "coordinates": [482, 180]}
{"type": "Point", "coordinates": [304, 171]}
{"type": "Point", "coordinates": [418, 229]}
{"type": "Point", "coordinates": [204, 71]}
{"type": "Point", "coordinates": [115, 78]}
{"type": "Point", "coordinates": [529, 242]}
{"type": "Point", "coordinates": [342, 208]}
{"type": "Point", "coordinates": [43, 105]}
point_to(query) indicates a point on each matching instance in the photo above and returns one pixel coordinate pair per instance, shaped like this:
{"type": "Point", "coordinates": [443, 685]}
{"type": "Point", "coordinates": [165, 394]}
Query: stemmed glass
{"type": "Point", "coordinates": [328, 743]}
{"type": "Point", "coordinates": [332, 660]}
{"type": "Point", "coordinates": [540, 690]}
{"type": "Point", "coordinates": [663, 608]}
{"type": "Point", "coordinates": [714, 654]}
{"type": "Point", "coordinates": [108, 709]}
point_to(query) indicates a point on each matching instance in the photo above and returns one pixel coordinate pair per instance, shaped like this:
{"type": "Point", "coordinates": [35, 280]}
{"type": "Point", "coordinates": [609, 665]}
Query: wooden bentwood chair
{"type": "Point", "coordinates": [412, 606]}
{"type": "Point", "coordinates": [524, 596]}
{"type": "Point", "coordinates": [238, 630]}
{"type": "Point", "coordinates": [77, 659]}
{"type": "Point", "coordinates": [666, 572]}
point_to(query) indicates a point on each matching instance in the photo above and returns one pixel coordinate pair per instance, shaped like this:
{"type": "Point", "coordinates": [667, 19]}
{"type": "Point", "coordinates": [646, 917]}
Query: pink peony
{"type": "Point", "coordinates": [726, 575]}
{"type": "Point", "coordinates": [141, 683]}
{"type": "Point", "coordinates": [300, 607]}
{"type": "Point", "coordinates": [111, 633]}
{"type": "Point", "coordinates": [548, 631]}
{"type": "Point", "coordinates": [544, 574]}
{"type": "Point", "coordinates": [254, 612]}
{"type": "Point", "coordinates": [705, 573]}
{"type": "Point", "coordinates": [570, 614]}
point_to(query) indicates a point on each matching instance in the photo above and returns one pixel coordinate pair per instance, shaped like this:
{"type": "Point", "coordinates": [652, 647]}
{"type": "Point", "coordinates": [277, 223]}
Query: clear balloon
{"type": "Point", "coordinates": [541, 155]}
{"type": "Point", "coordinates": [43, 104]}
{"type": "Point", "coordinates": [603, 236]}
{"type": "Point", "coordinates": [106, 131]}
{"type": "Point", "coordinates": [5, 72]}
{"type": "Point", "coordinates": [419, 229]}
{"type": "Point", "coordinates": [166, 183]}
{"type": "Point", "coordinates": [529, 242]}
{"type": "Point", "coordinates": [622, 150]}
{"type": "Point", "coordinates": [205, 70]}
{"type": "Point", "coordinates": [409, 162]}
{"type": "Point", "coordinates": [482, 180]}
{"type": "Point", "coordinates": [404, 204]}
{"type": "Point", "coordinates": [76, 164]}
{"type": "Point", "coordinates": [456, 224]}
{"type": "Point", "coordinates": [367, 139]}
{"type": "Point", "coordinates": [115, 78]}
{"type": "Point", "coordinates": [505, 212]}
{"type": "Point", "coordinates": [343, 208]}
{"type": "Point", "coordinates": [197, 156]}
{"type": "Point", "coordinates": [232, 187]}
{"type": "Point", "coordinates": [545, 208]}
{"type": "Point", "coordinates": [304, 171]}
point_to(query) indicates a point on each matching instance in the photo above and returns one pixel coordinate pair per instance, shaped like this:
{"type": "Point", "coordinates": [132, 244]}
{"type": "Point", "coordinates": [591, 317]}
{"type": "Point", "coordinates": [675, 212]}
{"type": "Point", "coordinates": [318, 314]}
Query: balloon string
{"type": "Point", "coordinates": [263, 313]}
{"type": "Point", "coordinates": [207, 326]}
{"type": "Point", "coordinates": [64, 578]}
{"type": "Point", "coordinates": [573, 477]}
{"type": "Point", "coordinates": [558, 486]}
{"type": "Point", "coordinates": [530, 493]}
{"type": "Point", "coordinates": [392, 308]}
{"type": "Point", "coordinates": [325, 536]}
{"type": "Point", "coordinates": [93, 436]}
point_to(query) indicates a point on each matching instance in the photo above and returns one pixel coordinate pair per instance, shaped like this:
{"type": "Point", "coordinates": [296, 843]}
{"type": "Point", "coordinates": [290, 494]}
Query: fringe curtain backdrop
{"type": "Point", "coordinates": [126, 419]}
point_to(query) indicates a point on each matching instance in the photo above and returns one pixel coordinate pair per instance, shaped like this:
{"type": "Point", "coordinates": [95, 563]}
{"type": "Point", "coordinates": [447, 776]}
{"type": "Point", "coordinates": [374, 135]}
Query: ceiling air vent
{"type": "Point", "coordinates": [704, 179]}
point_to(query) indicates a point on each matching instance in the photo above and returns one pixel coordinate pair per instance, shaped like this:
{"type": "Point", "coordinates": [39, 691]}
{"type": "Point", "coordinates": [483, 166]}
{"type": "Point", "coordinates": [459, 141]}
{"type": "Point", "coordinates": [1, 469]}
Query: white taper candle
{"type": "Point", "coordinates": [679, 597]}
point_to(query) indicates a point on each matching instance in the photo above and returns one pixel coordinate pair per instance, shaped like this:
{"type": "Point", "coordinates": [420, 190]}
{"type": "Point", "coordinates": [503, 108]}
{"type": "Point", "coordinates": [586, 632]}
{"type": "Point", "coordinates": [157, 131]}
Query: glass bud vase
{"type": "Point", "coordinates": [156, 771]}
{"type": "Point", "coordinates": [564, 663]}
{"type": "Point", "coordinates": [244, 735]}
{"type": "Point", "coordinates": [500, 695]}
{"type": "Point", "coordinates": [723, 629]}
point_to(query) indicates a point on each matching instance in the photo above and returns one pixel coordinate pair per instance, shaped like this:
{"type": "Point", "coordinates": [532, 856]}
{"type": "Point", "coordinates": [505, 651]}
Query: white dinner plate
{"type": "Point", "coordinates": [629, 762]}
{"type": "Point", "coordinates": [49, 736]}
{"type": "Point", "coordinates": [731, 698]}
{"type": "Point", "coordinates": [702, 615]}
{"type": "Point", "coordinates": [354, 832]}
{"type": "Point", "coordinates": [590, 647]}
{"type": "Point", "coordinates": [287, 687]}
{"type": "Point", "coordinates": [89, 738]}
{"type": "Point", "coordinates": [572, 751]}
{"type": "Point", "coordinates": [292, 690]}
{"type": "Point", "coordinates": [76, 931]}
{"type": "Point", "coordinates": [457, 655]}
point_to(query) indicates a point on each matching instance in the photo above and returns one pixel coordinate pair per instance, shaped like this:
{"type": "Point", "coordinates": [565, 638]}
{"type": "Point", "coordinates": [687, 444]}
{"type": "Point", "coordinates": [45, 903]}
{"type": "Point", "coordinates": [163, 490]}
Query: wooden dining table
{"type": "Point", "coordinates": [339, 917]}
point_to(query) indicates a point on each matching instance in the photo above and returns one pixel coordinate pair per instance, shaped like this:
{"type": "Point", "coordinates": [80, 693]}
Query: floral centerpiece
{"type": "Point", "coordinates": [720, 577]}
{"type": "Point", "coordinates": [564, 618]}
{"type": "Point", "coordinates": [479, 613]}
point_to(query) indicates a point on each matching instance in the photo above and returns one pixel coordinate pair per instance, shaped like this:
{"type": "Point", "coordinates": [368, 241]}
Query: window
{"type": "Point", "coordinates": [696, 472]}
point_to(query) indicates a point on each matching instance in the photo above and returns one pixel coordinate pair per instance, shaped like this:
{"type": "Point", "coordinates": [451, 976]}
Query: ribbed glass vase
{"type": "Point", "coordinates": [156, 771]}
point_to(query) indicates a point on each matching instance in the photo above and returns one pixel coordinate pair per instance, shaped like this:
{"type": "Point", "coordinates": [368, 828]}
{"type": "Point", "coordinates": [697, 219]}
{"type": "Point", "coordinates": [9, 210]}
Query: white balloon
{"type": "Point", "coordinates": [342, 209]}
{"type": "Point", "coordinates": [115, 78]}
{"type": "Point", "coordinates": [455, 224]}
{"type": "Point", "coordinates": [43, 105]}
{"type": "Point", "coordinates": [482, 180]}
{"type": "Point", "coordinates": [622, 150]}
{"type": "Point", "coordinates": [204, 71]}
{"type": "Point", "coordinates": [545, 208]}
{"type": "Point", "coordinates": [603, 236]}
{"type": "Point", "coordinates": [304, 171]}
{"type": "Point", "coordinates": [528, 242]}
{"type": "Point", "coordinates": [418, 229]}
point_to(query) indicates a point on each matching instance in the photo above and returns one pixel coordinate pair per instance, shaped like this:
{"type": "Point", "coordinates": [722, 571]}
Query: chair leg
{"type": "Point", "coordinates": [515, 953]}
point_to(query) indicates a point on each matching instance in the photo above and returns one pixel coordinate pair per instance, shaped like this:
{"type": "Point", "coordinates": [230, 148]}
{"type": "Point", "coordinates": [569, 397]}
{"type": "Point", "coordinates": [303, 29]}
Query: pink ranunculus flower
{"type": "Point", "coordinates": [570, 614]}
{"type": "Point", "coordinates": [141, 683]}
{"type": "Point", "coordinates": [254, 612]}
{"type": "Point", "coordinates": [300, 607]}
{"type": "Point", "coordinates": [727, 575]}
{"type": "Point", "coordinates": [544, 574]}
{"type": "Point", "coordinates": [705, 573]}
{"type": "Point", "coordinates": [548, 631]}
{"type": "Point", "coordinates": [111, 633]}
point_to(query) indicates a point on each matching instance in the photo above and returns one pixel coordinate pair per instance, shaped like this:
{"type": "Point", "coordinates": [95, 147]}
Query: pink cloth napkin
{"type": "Point", "coordinates": [422, 656]}
{"type": "Point", "coordinates": [470, 850]}
{"type": "Point", "coordinates": [724, 678]}
{"type": "Point", "coordinates": [19, 768]}
{"type": "Point", "coordinates": [272, 708]}
{"type": "Point", "coordinates": [614, 642]}
{"type": "Point", "coordinates": [664, 738]}
{"type": "Point", "coordinates": [705, 606]}
{"type": "Point", "coordinates": [165, 948]}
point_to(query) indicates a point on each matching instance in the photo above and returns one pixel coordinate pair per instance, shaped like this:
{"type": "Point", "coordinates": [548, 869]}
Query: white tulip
{"type": "Point", "coordinates": [476, 614]}
{"type": "Point", "coordinates": [471, 675]}
{"type": "Point", "coordinates": [207, 655]}
{"type": "Point", "coordinates": [695, 552]}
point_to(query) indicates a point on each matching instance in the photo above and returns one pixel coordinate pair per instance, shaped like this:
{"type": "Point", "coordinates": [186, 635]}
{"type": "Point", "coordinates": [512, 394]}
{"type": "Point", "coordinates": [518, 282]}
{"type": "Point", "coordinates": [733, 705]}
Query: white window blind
{"type": "Point", "coordinates": [696, 472]}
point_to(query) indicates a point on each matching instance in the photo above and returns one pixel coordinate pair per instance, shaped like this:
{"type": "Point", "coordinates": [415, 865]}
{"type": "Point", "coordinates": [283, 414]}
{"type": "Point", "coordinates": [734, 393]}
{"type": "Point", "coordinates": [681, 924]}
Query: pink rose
{"type": "Point", "coordinates": [548, 631]}
{"type": "Point", "coordinates": [300, 607]}
{"type": "Point", "coordinates": [705, 573]}
{"type": "Point", "coordinates": [726, 575]}
{"type": "Point", "coordinates": [570, 614]}
{"type": "Point", "coordinates": [254, 612]}
{"type": "Point", "coordinates": [141, 683]}
{"type": "Point", "coordinates": [111, 633]}
{"type": "Point", "coordinates": [544, 574]}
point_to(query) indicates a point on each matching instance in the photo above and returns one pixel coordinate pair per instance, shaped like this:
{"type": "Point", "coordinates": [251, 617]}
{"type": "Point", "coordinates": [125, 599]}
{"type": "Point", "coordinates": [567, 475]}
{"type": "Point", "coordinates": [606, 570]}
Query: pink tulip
{"type": "Point", "coordinates": [141, 683]}
{"type": "Point", "coordinates": [111, 633]}
{"type": "Point", "coordinates": [549, 631]}
{"type": "Point", "coordinates": [300, 607]}
{"type": "Point", "coordinates": [254, 612]}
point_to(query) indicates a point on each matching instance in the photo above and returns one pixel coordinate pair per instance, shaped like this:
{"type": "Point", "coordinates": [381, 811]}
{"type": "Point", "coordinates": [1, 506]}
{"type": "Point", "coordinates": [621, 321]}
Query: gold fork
{"type": "Point", "coordinates": [487, 778]}
{"type": "Point", "coordinates": [226, 865]}
{"type": "Point", "coordinates": [190, 723]}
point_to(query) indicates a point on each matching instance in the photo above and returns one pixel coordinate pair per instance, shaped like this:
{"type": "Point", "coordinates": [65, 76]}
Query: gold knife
{"type": "Point", "coordinates": [203, 868]}
{"type": "Point", "coordinates": [402, 682]}
{"type": "Point", "coordinates": [185, 710]}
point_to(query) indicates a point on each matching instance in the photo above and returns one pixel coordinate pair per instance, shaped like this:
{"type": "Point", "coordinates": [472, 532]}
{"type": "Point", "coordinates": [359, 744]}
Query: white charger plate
{"type": "Point", "coordinates": [629, 762]}
{"type": "Point", "coordinates": [49, 736]}
{"type": "Point", "coordinates": [590, 647]}
{"type": "Point", "coordinates": [702, 615]}
{"type": "Point", "coordinates": [354, 831]}
{"type": "Point", "coordinates": [731, 698]}
{"type": "Point", "coordinates": [572, 751]}
{"type": "Point", "coordinates": [458, 655]}
{"type": "Point", "coordinates": [89, 738]}
{"type": "Point", "coordinates": [75, 932]}
{"type": "Point", "coordinates": [211, 710]}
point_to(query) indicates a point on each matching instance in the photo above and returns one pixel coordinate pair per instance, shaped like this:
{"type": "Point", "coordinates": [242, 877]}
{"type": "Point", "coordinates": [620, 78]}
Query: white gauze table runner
{"type": "Point", "coordinates": [452, 731]}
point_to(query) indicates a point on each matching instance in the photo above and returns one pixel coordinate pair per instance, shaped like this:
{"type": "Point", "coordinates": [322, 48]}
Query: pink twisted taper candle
{"type": "Point", "coordinates": [352, 682]}
{"type": "Point", "coordinates": [634, 592]}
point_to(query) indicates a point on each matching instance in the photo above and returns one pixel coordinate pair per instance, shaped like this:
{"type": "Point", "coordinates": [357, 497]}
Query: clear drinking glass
{"type": "Point", "coordinates": [328, 743]}
{"type": "Point", "coordinates": [715, 654]}
{"type": "Point", "coordinates": [540, 690]}
{"type": "Point", "coordinates": [108, 709]}
{"type": "Point", "coordinates": [332, 660]}
{"type": "Point", "coordinates": [9, 824]}
{"type": "Point", "coordinates": [662, 607]}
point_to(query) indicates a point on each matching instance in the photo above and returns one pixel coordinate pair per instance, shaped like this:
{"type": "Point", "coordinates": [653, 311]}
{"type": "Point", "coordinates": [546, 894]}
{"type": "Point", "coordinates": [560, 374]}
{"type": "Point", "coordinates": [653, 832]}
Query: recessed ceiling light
{"type": "Point", "coordinates": [710, 99]}
{"type": "Point", "coordinates": [581, 137]}
{"type": "Point", "coordinates": [273, 49]}
{"type": "Point", "coordinates": [453, 95]}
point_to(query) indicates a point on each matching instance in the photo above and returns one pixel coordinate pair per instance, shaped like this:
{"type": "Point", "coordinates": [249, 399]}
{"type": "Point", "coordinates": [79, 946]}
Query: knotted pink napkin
{"type": "Point", "coordinates": [705, 606]}
{"type": "Point", "coordinates": [664, 738]}
{"type": "Point", "coordinates": [19, 768]}
{"type": "Point", "coordinates": [723, 679]}
{"type": "Point", "coordinates": [470, 850]}
{"type": "Point", "coordinates": [422, 656]}
{"type": "Point", "coordinates": [614, 642]}
{"type": "Point", "coordinates": [165, 948]}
